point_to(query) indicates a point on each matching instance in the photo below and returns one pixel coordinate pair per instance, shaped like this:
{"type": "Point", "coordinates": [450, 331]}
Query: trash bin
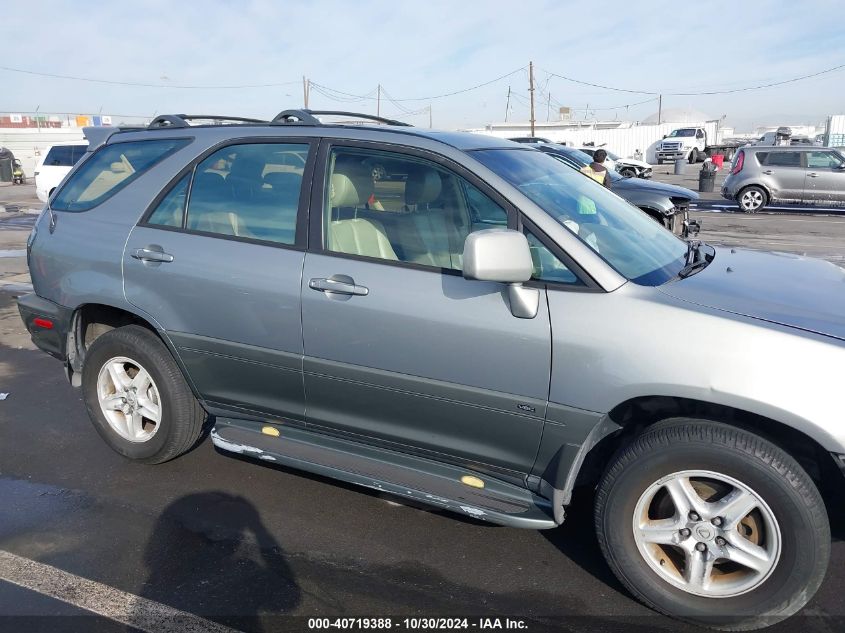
{"type": "Point", "coordinates": [707, 178]}
{"type": "Point", "coordinates": [680, 165]}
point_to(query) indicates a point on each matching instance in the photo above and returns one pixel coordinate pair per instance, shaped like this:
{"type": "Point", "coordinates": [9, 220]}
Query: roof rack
{"type": "Point", "coordinates": [183, 120]}
{"type": "Point", "coordinates": [309, 117]}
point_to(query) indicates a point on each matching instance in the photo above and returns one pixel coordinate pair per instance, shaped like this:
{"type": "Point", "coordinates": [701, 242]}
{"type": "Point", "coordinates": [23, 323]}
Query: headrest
{"type": "Point", "coordinates": [422, 187]}
{"type": "Point", "coordinates": [343, 192]}
{"type": "Point", "coordinates": [283, 179]}
{"type": "Point", "coordinates": [246, 168]}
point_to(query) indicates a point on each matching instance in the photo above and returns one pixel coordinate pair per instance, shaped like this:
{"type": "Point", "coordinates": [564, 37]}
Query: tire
{"type": "Point", "coordinates": [136, 349]}
{"type": "Point", "coordinates": [659, 161]}
{"type": "Point", "coordinates": [693, 156]}
{"type": "Point", "coordinates": [628, 172]}
{"type": "Point", "coordinates": [789, 524]}
{"type": "Point", "coordinates": [752, 199]}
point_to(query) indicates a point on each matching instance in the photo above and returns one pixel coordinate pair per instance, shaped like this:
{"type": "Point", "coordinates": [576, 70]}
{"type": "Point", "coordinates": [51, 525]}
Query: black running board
{"type": "Point", "coordinates": [423, 480]}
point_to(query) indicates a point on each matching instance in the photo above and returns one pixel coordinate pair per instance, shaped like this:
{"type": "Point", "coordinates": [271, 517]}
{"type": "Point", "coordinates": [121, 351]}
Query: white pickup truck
{"type": "Point", "coordinates": [688, 143]}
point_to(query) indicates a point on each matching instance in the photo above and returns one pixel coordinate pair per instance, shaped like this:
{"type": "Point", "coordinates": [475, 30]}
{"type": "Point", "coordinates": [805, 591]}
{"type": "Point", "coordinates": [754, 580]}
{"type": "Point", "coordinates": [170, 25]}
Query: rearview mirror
{"type": "Point", "coordinates": [503, 255]}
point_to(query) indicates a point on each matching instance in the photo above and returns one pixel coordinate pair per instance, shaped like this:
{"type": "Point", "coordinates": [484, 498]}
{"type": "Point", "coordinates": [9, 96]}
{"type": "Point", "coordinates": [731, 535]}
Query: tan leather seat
{"type": "Point", "coordinates": [355, 236]}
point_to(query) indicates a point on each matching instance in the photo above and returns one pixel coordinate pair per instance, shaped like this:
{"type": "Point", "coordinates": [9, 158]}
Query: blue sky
{"type": "Point", "coordinates": [424, 48]}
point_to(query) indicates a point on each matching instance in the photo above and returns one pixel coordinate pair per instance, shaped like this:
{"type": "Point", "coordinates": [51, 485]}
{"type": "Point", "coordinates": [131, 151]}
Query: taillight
{"type": "Point", "coordinates": [740, 160]}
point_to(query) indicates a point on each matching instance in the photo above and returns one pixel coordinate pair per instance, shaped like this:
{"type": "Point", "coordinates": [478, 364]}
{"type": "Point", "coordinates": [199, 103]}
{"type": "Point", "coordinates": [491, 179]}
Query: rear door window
{"type": "Point", "coordinates": [109, 170]}
{"type": "Point", "coordinates": [249, 191]}
{"type": "Point", "coordinates": [784, 159]}
{"type": "Point", "coordinates": [64, 155]}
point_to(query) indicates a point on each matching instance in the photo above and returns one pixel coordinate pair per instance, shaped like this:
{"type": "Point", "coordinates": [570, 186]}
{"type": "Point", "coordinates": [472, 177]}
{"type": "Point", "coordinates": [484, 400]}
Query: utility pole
{"type": "Point", "coordinates": [306, 85]}
{"type": "Point", "coordinates": [429, 116]}
{"type": "Point", "coordinates": [549, 107]}
{"type": "Point", "coordinates": [378, 101]}
{"type": "Point", "coordinates": [508, 104]}
{"type": "Point", "coordinates": [531, 90]}
{"type": "Point", "coordinates": [659, 109]}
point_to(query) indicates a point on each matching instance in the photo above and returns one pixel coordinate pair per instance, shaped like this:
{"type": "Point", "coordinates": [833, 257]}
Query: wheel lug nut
{"type": "Point", "coordinates": [701, 547]}
{"type": "Point", "coordinates": [720, 541]}
{"type": "Point", "coordinates": [685, 532]}
{"type": "Point", "coordinates": [717, 521]}
{"type": "Point", "coordinates": [693, 516]}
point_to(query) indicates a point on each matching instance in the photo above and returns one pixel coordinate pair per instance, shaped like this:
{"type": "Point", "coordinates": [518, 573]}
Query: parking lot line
{"type": "Point", "coordinates": [114, 604]}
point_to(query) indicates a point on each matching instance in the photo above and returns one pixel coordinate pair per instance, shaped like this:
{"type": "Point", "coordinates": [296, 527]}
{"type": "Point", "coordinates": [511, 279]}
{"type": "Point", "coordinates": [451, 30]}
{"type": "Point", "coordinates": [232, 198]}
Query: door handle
{"type": "Point", "coordinates": [338, 284]}
{"type": "Point", "coordinates": [768, 172]}
{"type": "Point", "coordinates": [150, 254]}
{"type": "Point", "coordinates": [813, 175]}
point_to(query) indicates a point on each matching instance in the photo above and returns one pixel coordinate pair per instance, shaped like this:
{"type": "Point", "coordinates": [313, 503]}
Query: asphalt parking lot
{"type": "Point", "coordinates": [249, 546]}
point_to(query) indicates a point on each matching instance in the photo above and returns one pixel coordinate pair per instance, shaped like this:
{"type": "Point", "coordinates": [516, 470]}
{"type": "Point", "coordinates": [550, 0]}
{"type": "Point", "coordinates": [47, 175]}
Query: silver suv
{"type": "Point", "coordinates": [479, 331]}
{"type": "Point", "coordinates": [762, 175]}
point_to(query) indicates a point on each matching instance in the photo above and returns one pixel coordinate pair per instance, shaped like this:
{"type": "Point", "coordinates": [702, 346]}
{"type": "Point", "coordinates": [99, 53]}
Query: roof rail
{"type": "Point", "coordinates": [183, 120]}
{"type": "Point", "coordinates": [309, 117]}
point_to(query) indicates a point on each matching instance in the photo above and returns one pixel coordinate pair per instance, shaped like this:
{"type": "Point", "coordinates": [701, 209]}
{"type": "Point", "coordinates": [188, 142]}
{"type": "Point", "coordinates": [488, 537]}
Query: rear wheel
{"type": "Point", "coordinates": [752, 199]}
{"type": "Point", "coordinates": [137, 397]}
{"type": "Point", "coordinates": [713, 525]}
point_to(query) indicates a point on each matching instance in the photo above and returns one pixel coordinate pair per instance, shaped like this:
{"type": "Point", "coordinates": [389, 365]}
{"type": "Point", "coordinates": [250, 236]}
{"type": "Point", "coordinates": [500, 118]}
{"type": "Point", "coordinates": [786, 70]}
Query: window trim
{"type": "Point", "coordinates": [315, 232]}
{"type": "Point", "coordinates": [301, 231]}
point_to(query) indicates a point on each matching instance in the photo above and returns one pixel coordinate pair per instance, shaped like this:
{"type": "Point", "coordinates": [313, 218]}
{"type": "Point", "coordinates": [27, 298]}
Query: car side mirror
{"type": "Point", "coordinates": [665, 135]}
{"type": "Point", "coordinates": [503, 255]}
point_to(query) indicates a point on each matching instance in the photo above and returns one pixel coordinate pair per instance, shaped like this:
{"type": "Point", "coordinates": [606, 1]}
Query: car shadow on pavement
{"type": "Point", "coordinates": [210, 554]}
{"type": "Point", "coordinates": [576, 539]}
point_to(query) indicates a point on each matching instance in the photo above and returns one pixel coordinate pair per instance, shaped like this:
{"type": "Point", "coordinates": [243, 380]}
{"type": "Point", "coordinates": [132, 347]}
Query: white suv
{"type": "Point", "coordinates": [58, 161]}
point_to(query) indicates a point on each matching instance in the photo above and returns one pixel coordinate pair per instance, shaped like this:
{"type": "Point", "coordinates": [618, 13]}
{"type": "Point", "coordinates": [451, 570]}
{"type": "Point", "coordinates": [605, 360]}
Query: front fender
{"type": "Point", "coordinates": [613, 347]}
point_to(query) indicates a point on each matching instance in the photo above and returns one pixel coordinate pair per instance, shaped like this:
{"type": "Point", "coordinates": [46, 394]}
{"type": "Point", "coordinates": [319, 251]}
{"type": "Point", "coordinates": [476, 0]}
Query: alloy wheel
{"type": "Point", "coordinates": [707, 533]}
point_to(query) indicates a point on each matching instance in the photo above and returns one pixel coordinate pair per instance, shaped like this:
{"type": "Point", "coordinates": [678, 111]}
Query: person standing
{"type": "Point", "coordinates": [596, 170]}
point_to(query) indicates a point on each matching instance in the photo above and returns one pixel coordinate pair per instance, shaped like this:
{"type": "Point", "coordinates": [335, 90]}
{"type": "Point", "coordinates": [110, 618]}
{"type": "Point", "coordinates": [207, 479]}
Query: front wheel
{"type": "Point", "coordinates": [693, 156]}
{"type": "Point", "coordinates": [628, 172]}
{"type": "Point", "coordinates": [712, 524]}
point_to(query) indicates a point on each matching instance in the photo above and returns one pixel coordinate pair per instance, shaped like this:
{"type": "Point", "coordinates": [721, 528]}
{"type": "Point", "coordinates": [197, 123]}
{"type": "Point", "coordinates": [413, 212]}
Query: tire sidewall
{"type": "Point", "coordinates": [802, 549]}
{"type": "Point", "coordinates": [110, 345]}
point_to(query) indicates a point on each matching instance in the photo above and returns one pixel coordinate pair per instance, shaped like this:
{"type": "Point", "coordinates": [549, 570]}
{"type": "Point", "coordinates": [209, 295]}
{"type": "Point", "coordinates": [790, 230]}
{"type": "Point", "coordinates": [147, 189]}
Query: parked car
{"type": "Point", "coordinates": [667, 204]}
{"type": "Point", "coordinates": [57, 162]}
{"type": "Point", "coordinates": [628, 167]}
{"type": "Point", "coordinates": [761, 175]}
{"type": "Point", "coordinates": [481, 337]}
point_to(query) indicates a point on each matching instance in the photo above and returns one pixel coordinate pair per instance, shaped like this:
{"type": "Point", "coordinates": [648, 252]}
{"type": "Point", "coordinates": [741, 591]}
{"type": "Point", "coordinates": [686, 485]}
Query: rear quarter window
{"type": "Point", "coordinates": [109, 170]}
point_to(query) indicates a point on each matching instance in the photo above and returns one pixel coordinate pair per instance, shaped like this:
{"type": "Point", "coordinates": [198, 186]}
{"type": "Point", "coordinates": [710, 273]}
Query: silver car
{"type": "Point", "coordinates": [762, 175]}
{"type": "Point", "coordinates": [481, 332]}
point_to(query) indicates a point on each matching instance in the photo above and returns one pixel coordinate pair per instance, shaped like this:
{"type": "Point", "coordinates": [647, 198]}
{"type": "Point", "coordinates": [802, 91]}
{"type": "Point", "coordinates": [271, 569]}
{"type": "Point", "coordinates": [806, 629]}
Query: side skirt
{"type": "Point", "coordinates": [423, 480]}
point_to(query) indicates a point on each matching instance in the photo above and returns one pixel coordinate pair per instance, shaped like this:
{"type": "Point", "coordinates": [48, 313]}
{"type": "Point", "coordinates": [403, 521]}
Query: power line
{"type": "Point", "coordinates": [457, 92]}
{"type": "Point", "coordinates": [703, 92]}
{"type": "Point", "coordinates": [143, 85]}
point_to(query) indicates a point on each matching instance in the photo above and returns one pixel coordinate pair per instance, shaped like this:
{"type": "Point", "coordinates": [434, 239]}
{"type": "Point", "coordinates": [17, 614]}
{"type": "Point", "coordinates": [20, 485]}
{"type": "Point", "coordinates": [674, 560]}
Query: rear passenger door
{"type": "Point", "coordinates": [783, 174]}
{"type": "Point", "coordinates": [400, 349]}
{"type": "Point", "coordinates": [217, 260]}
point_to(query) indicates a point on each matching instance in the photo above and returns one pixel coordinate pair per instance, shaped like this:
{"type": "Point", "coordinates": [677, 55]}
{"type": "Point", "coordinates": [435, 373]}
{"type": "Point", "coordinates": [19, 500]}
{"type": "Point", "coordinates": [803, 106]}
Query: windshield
{"type": "Point", "coordinates": [612, 156]}
{"type": "Point", "coordinates": [625, 237]}
{"type": "Point", "coordinates": [684, 132]}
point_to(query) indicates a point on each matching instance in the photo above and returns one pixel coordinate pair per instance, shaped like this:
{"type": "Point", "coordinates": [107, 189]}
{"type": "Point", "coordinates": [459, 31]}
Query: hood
{"type": "Point", "coordinates": [685, 141]}
{"type": "Point", "coordinates": [634, 162]}
{"type": "Point", "coordinates": [650, 186]}
{"type": "Point", "coordinates": [791, 290]}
